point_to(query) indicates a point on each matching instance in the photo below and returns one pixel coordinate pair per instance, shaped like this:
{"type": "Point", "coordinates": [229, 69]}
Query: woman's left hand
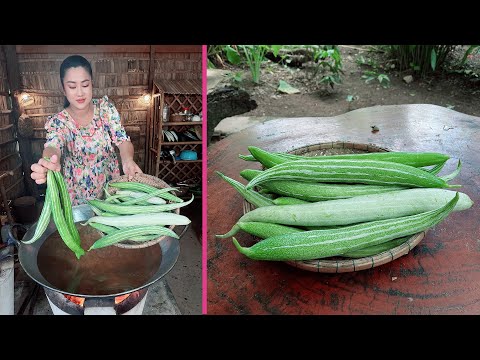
{"type": "Point", "coordinates": [131, 168]}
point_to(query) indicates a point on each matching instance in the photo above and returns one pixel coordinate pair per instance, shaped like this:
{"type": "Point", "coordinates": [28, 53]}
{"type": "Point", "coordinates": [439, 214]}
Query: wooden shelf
{"type": "Point", "coordinates": [168, 143]}
{"type": "Point", "coordinates": [180, 123]}
{"type": "Point", "coordinates": [180, 161]}
{"type": "Point", "coordinates": [177, 95]}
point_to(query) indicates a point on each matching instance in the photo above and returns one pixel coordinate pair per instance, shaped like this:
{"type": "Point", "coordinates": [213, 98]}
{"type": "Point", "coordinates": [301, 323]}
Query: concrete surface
{"type": "Point", "coordinates": [185, 279]}
{"type": "Point", "coordinates": [233, 124]}
{"type": "Point", "coordinates": [215, 77]}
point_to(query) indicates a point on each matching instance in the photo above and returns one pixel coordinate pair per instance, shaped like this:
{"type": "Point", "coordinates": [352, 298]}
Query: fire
{"type": "Point", "coordinates": [75, 299]}
{"type": "Point", "coordinates": [119, 299]}
{"type": "Point", "coordinates": [80, 300]}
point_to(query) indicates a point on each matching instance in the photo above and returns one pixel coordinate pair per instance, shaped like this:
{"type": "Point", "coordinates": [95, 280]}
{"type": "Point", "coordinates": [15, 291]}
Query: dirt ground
{"type": "Point", "coordinates": [451, 90]}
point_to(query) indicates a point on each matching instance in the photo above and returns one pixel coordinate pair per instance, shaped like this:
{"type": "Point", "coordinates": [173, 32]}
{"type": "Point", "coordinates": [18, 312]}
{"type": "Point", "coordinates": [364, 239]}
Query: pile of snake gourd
{"type": "Point", "coordinates": [349, 205]}
{"type": "Point", "coordinates": [137, 212]}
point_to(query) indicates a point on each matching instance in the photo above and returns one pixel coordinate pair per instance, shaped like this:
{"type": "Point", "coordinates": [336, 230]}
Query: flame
{"type": "Point", "coordinates": [80, 300]}
{"type": "Point", "coordinates": [119, 299]}
{"type": "Point", "coordinates": [75, 299]}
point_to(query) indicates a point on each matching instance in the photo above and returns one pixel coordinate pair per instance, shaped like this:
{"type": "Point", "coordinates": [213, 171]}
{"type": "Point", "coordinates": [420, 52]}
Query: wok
{"type": "Point", "coordinates": [47, 256]}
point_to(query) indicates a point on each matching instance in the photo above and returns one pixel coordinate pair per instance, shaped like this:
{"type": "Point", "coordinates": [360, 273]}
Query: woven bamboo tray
{"type": "Point", "coordinates": [339, 264]}
{"type": "Point", "coordinates": [149, 180]}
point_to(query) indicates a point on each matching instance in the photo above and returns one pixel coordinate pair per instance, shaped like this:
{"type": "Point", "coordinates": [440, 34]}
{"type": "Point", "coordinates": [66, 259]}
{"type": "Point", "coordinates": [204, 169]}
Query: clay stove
{"type": "Point", "coordinates": [128, 304]}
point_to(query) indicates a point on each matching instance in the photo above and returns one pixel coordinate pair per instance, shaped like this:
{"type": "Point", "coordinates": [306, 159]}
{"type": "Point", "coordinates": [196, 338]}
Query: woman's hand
{"type": "Point", "coordinates": [39, 170]}
{"type": "Point", "coordinates": [130, 168]}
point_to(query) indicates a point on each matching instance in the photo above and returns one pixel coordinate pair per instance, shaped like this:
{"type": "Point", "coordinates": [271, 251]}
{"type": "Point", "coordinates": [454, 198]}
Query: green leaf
{"type": "Point", "coordinates": [433, 59]}
{"type": "Point", "coordinates": [286, 88]}
{"type": "Point", "coordinates": [275, 49]}
{"type": "Point", "coordinates": [232, 55]}
{"type": "Point", "coordinates": [210, 65]}
{"type": "Point", "coordinates": [468, 52]}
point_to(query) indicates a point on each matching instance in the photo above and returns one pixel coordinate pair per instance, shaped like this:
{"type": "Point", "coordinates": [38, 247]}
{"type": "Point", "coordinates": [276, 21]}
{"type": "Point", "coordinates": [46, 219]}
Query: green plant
{"type": "Point", "coordinates": [59, 216]}
{"type": "Point", "coordinates": [135, 194]}
{"type": "Point", "coordinates": [463, 67]}
{"type": "Point", "coordinates": [370, 172]}
{"type": "Point", "coordinates": [375, 249]}
{"type": "Point", "coordinates": [109, 229]}
{"type": "Point", "coordinates": [317, 244]}
{"type": "Point", "coordinates": [422, 59]}
{"type": "Point", "coordinates": [327, 58]}
{"type": "Point", "coordinates": [135, 209]}
{"type": "Point", "coordinates": [266, 230]}
{"type": "Point", "coordinates": [129, 233]}
{"type": "Point", "coordinates": [218, 54]}
{"type": "Point", "coordinates": [287, 200]}
{"type": "Point", "coordinates": [356, 209]}
{"type": "Point", "coordinates": [416, 159]}
{"type": "Point", "coordinates": [472, 49]}
{"type": "Point", "coordinates": [135, 186]}
{"type": "Point", "coordinates": [43, 220]}
{"type": "Point", "coordinates": [255, 55]}
{"type": "Point", "coordinates": [374, 73]}
{"type": "Point", "coordinates": [214, 55]}
{"type": "Point", "coordinates": [66, 205]}
{"type": "Point", "coordinates": [251, 196]}
{"type": "Point", "coordinates": [317, 191]}
{"type": "Point", "coordinates": [368, 61]}
{"type": "Point", "coordinates": [161, 218]}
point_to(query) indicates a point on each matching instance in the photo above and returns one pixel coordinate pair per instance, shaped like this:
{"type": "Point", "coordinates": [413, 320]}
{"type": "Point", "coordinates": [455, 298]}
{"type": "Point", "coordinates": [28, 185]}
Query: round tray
{"type": "Point", "coordinates": [338, 264]}
{"type": "Point", "coordinates": [148, 180]}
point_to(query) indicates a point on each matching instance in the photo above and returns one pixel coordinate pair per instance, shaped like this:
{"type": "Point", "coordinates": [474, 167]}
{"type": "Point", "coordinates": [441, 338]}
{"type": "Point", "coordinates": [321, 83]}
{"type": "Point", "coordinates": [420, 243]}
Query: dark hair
{"type": "Point", "coordinates": [73, 61]}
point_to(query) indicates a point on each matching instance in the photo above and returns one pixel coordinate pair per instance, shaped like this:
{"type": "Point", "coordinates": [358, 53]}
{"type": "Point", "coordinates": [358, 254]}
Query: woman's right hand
{"type": "Point", "coordinates": [39, 170]}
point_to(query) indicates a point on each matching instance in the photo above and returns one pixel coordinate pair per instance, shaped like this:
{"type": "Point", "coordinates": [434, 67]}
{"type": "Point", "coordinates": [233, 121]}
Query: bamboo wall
{"type": "Point", "coordinates": [10, 160]}
{"type": "Point", "coordinates": [124, 73]}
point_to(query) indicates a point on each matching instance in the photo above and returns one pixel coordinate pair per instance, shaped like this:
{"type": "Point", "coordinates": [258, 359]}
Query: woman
{"type": "Point", "coordinates": [80, 138]}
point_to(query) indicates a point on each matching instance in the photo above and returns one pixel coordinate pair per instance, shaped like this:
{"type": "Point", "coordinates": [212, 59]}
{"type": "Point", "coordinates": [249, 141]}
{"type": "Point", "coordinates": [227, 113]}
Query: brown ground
{"type": "Point", "coordinates": [452, 90]}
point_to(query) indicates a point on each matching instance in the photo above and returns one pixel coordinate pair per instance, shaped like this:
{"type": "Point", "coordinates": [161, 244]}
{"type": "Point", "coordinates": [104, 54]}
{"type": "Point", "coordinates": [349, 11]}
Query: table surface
{"type": "Point", "coordinates": [441, 275]}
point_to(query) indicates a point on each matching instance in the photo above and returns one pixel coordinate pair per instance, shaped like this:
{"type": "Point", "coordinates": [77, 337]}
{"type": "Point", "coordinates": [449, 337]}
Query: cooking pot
{"type": "Point", "coordinates": [153, 262]}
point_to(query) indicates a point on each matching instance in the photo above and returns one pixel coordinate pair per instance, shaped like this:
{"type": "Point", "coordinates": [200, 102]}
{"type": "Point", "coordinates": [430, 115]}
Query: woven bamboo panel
{"type": "Point", "coordinates": [177, 102]}
{"type": "Point", "coordinates": [122, 76]}
{"type": "Point", "coordinates": [8, 148]}
{"type": "Point", "coordinates": [178, 66]}
{"type": "Point", "coordinates": [14, 185]}
{"type": "Point", "coordinates": [6, 133]}
{"type": "Point", "coordinates": [3, 75]}
{"type": "Point", "coordinates": [4, 119]}
{"type": "Point", "coordinates": [11, 163]}
{"type": "Point", "coordinates": [180, 171]}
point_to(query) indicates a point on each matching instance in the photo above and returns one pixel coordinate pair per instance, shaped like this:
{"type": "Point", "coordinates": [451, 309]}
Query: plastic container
{"type": "Point", "coordinates": [188, 155]}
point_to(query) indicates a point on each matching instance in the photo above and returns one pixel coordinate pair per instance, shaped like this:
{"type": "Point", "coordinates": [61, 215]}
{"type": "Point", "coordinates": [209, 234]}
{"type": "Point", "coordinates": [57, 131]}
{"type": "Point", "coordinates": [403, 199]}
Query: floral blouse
{"type": "Point", "coordinates": [88, 156]}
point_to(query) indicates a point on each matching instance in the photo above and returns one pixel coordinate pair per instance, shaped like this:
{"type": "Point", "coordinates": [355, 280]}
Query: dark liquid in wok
{"type": "Point", "coordinates": [105, 271]}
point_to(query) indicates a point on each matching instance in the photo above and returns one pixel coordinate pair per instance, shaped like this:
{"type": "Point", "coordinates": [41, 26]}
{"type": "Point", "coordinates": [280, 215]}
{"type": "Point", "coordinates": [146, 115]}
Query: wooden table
{"type": "Point", "coordinates": [439, 276]}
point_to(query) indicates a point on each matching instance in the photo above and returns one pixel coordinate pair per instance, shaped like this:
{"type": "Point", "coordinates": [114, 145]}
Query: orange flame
{"type": "Point", "coordinates": [80, 300]}
{"type": "Point", "coordinates": [119, 299]}
{"type": "Point", "coordinates": [75, 299]}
